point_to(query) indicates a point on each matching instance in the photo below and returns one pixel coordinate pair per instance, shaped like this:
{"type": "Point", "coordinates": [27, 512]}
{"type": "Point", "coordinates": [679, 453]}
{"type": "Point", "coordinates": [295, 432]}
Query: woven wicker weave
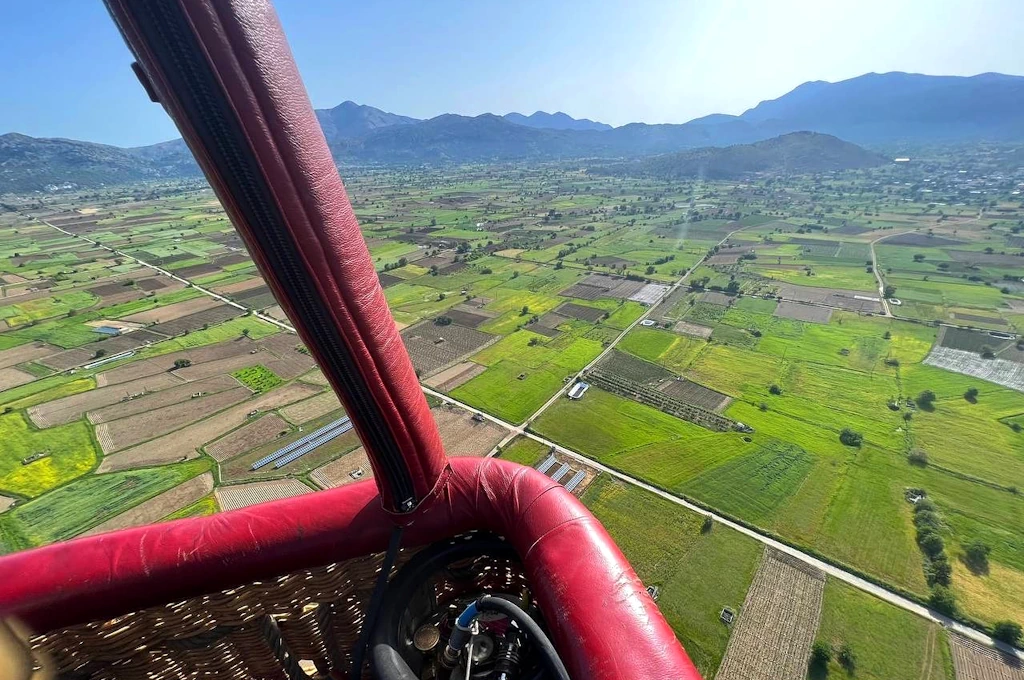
{"type": "Point", "coordinates": [259, 631]}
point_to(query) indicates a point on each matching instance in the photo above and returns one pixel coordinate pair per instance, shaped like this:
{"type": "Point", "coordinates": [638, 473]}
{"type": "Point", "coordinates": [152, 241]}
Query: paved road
{"type": "Point", "coordinates": [878, 274]}
{"type": "Point", "coordinates": [515, 430]}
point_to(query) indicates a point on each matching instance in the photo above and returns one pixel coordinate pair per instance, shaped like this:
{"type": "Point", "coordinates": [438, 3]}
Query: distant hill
{"type": "Point", "coordinates": [348, 120]}
{"type": "Point", "coordinates": [795, 153]}
{"type": "Point", "coordinates": [874, 109]}
{"type": "Point", "coordinates": [461, 139]}
{"type": "Point", "coordinates": [30, 164]}
{"type": "Point", "coordinates": [555, 121]}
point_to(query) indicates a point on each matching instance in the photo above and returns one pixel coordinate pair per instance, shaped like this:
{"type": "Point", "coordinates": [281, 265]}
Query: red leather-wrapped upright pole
{"type": "Point", "coordinates": [270, 128]}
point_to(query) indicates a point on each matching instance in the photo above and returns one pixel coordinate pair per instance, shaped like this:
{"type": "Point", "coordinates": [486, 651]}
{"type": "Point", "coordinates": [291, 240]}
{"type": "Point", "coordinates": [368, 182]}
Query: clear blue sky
{"type": "Point", "coordinates": [65, 69]}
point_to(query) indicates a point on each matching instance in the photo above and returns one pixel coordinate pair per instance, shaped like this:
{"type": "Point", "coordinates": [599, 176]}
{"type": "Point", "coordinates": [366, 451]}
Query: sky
{"type": "Point", "coordinates": [66, 70]}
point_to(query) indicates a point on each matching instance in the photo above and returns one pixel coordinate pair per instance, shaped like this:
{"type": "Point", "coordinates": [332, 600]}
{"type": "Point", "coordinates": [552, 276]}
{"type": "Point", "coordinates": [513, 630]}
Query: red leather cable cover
{"type": "Point", "coordinates": [604, 623]}
{"type": "Point", "coordinates": [246, 48]}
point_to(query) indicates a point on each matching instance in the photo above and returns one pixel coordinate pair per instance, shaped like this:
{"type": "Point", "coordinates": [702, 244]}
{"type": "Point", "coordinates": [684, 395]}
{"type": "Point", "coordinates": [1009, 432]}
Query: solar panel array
{"type": "Point", "coordinates": [575, 481]}
{"type": "Point", "coordinates": [562, 472]}
{"type": "Point", "coordinates": [316, 435]}
{"type": "Point", "coordinates": [546, 465]}
{"type": "Point", "coordinates": [319, 441]}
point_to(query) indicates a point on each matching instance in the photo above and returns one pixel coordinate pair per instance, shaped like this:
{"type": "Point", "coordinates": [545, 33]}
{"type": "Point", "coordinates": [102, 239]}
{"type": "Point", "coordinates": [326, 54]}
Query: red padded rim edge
{"type": "Point", "coordinates": [604, 623]}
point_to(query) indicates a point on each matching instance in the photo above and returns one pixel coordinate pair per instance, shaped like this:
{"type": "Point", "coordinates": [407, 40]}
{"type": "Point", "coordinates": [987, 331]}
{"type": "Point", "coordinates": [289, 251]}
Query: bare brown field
{"type": "Point", "coordinates": [247, 437]}
{"type": "Point", "coordinates": [693, 330]}
{"type": "Point", "coordinates": [795, 310]}
{"type": "Point", "coordinates": [243, 495]}
{"type": "Point", "coordinates": [196, 270]}
{"type": "Point", "coordinates": [340, 472]}
{"type": "Point", "coordinates": [463, 436]}
{"type": "Point", "coordinates": [66, 409]}
{"type": "Point", "coordinates": [175, 311]}
{"type": "Point", "coordinates": [716, 298]}
{"type": "Point", "coordinates": [184, 443]}
{"type": "Point", "coordinates": [240, 286]}
{"type": "Point", "coordinates": [452, 377]}
{"type": "Point", "coordinates": [434, 347]}
{"type": "Point", "coordinates": [275, 312]}
{"type": "Point", "coordinates": [833, 297]}
{"type": "Point", "coordinates": [316, 377]}
{"type": "Point", "coordinates": [158, 400]}
{"type": "Point", "coordinates": [777, 624]}
{"type": "Point", "coordinates": [290, 367]}
{"type": "Point", "coordinates": [581, 312]}
{"type": "Point", "coordinates": [154, 283]}
{"type": "Point", "coordinates": [12, 377]}
{"type": "Point", "coordinates": [696, 394]}
{"type": "Point", "coordinates": [121, 343]}
{"type": "Point", "coordinates": [304, 411]}
{"type": "Point", "coordinates": [133, 371]}
{"type": "Point", "coordinates": [974, 661]}
{"type": "Point", "coordinates": [120, 434]}
{"type": "Point", "coordinates": [13, 278]}
{"type": "Point", "coordinates": [206, 369]}
{"type": "Point", "coordinates": [68, 359]}
{"type": "Point", "coordinates": [160, 506]}
{"type": "Point", "coordinates": [194, 322]}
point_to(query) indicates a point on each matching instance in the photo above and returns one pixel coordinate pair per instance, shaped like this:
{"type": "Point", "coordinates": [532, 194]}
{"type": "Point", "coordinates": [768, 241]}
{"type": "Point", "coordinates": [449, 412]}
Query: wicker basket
{"type": "Point", "coordinates": [300, 625]}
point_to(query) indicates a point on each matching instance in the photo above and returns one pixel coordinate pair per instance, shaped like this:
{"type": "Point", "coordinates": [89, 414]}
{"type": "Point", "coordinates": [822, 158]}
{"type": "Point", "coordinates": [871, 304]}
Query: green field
{"type": "Point", "coordinates": [697, 574]}
{"type": "Point", "coordinates": [82, 504]}
{"type": "Point", "coordinates": [69, 452]}
{"type": "Point", "coordinates": [543, 366]}
{"type": "Point", "coordinates": [887, 643]}
{"type": "Point", "coordinates": [257, 378]}
{"type": "Point", "coordinates": [524, 451]}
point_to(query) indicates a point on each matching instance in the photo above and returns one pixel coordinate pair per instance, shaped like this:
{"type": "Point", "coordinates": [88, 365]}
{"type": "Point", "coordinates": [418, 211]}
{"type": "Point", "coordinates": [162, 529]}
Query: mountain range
{"type": "Point", "coordinates": [877, 110]}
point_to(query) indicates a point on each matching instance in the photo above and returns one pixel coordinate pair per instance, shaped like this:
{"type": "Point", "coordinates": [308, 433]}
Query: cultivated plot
{"type": "Point", "coordinates": [777, 624]}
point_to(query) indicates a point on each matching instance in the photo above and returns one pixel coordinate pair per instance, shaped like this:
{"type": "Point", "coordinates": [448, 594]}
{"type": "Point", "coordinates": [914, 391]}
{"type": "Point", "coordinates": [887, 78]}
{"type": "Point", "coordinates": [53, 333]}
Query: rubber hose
{"type": "Point", "coordinates": [532, 630]}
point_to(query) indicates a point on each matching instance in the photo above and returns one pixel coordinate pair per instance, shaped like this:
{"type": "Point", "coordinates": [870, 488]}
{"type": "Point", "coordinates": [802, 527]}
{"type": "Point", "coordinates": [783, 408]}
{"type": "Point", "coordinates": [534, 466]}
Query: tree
{"type": "Point", "coordinates": [851, 437]}
{"type": "Point", "coordinates": [443, 321]}
{"type": "Point", "coordinates": [942, 600]}
{"type": "Point", "coordinates": [887, 335]}
{"type": "Point", "coordinates": [524, 311]}
{"type": "Point", "coordinates": [733, 286]}
{"type": "Point", "coordinates": [821, 654]}
{"type": "Point", "coordinates": [99, 353]}
{"type": "Point", "coordinates": [245, 332]}
{"type": "Point", "coordinates": [775, 389]}
{"type": "Point", "coordinates": [988, 352]}
{"type": "Point", "coordinates": [1007, 631]}
{"type": "Point", "coordinates": [919, 258]}
{"type": "Point", "coordinates": [926, 400]}
{"type": "Point", "coordinates": [918, 457]}
{"type": "Point", "coordinates": [889, 291]}
{"type": "Point", "coordinates": [931, 543]}
{"type": "Point", "coordinates": [971, 395]}
{"type": "Point", "coordinates": [182, 363]}
{"type": "Point", "coordinates": [707, 525]}
{"type": "Point", "coordinates": [976, 556]}
{"type": "Point", "coordinates": [938, 571]}
{"type": "Point", "coordinates": [441, 296]}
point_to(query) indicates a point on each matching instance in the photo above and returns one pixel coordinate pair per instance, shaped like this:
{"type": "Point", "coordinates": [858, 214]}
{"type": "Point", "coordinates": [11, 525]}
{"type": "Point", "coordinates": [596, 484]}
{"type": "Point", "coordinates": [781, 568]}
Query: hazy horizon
{"type": "Point", "coordinates": [653, 61]}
